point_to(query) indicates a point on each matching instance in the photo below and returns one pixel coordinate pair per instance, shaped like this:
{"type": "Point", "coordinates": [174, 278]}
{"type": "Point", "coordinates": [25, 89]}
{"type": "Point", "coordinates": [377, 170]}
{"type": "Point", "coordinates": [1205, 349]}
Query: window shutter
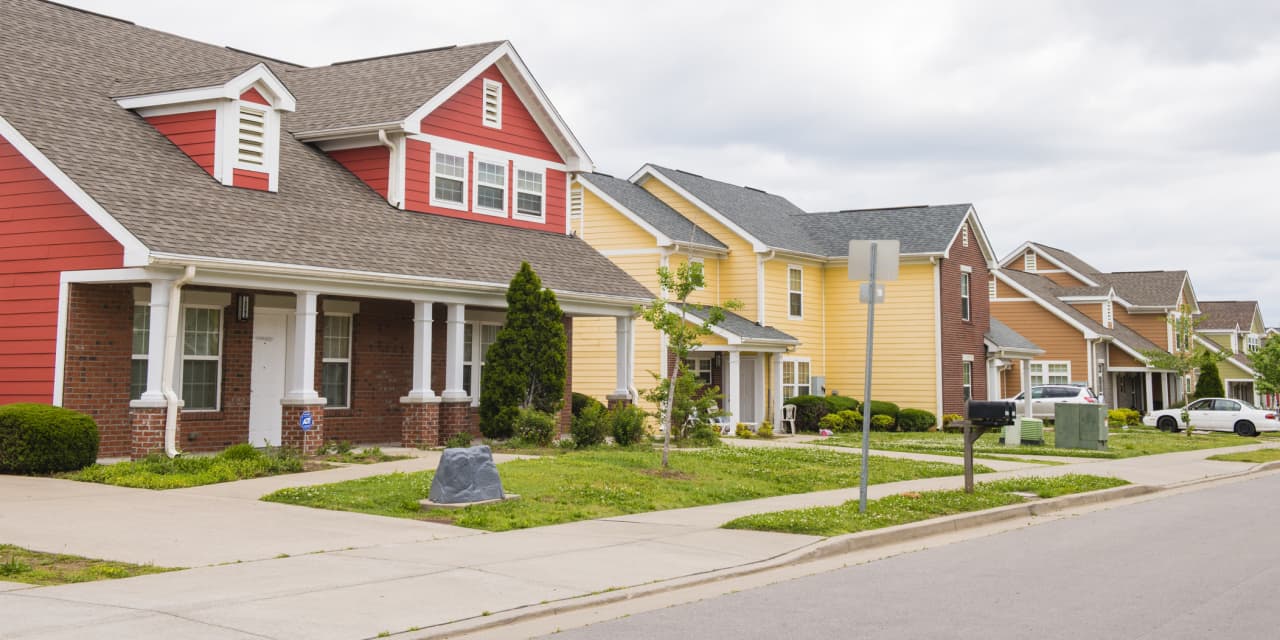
{"type": "Point", "coordinates": [492, 104]}
{"type": "Point", "coordinates": [251, 143]}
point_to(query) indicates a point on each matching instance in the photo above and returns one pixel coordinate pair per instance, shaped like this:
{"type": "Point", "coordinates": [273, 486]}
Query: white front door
{"type": "Point", "coordinates": [266, 384]}
{"type": "Point", "coordinates": [747, 387]}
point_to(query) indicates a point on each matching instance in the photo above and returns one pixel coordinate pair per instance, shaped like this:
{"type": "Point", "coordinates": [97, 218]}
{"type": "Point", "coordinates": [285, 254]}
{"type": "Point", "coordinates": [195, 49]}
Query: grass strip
{"type": "Point", "coordinates": [1257, 457]}
{"type": "Point", "coordinates": [915, 506]}
{"type": "Point", "coordinates": [1134, 442]}
{"type": "Point", "coordinates": [599, 483]}
{"type": "Point", "coordinates": [37, 567]}
{"type": "Point", "coordinates": [237, 462]}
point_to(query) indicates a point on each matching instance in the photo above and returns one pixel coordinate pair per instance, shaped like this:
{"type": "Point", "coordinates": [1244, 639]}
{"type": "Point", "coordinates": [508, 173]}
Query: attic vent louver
{"type": "Point", "coordinates": [575, 210]}
{"type": "Point", "coordinates": [1029, 262]}
{"type": "Point", "coordinates": [251, 142]}
{"type": "Point", "coordinates": [492, 104]}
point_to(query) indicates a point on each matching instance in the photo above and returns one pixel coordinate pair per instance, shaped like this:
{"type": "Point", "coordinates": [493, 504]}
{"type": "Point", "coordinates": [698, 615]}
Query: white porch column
{"type": "Point", "coordinates": [775, 389]}
{"type": "Point", "coordinates": [421, 391]}
{"type": "Point", "coordinates": [454, 333]}
{"type": "Point", "coordinates": [1165, 380]}
{"type": "Point", "coordinates": [623, 354]}
{"type": "Point", "coordinates": [758, 392]}
{"type": "Point", "coordinates": [735, 386]}
{"type": "Point", "coordinates": [158, 316]}
{"type": "Point", "coordinates": [302, 368]}
{"type": "Point", "coordinates": [1148, 392]}
{"type": "Point", "coordinates": [1025, 366]}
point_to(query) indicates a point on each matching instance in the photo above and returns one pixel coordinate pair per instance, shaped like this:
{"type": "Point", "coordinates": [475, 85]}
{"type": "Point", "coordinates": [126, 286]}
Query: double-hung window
{"type": "Point", "coordinates": [1050, 373]}
{"type": "Point", "coordinates": [491, 187]}
{"type": "Point", "coordinates": [795, 293]}
{"type": "Point", "coordinates": [700, 368]}
{"type": "Point", "coordinates": [473, 354]}
{"type": "Point", "coordinates": [448, 180]}
{"type": "Point", "coordinates": [530, 194]}
{"type": "Point", "coordinates": [795, 378]}
{"type": "Point", "coordinates": [968, 380]}
{"type": "Point", "coordinates": [201, 358]}
{"type": "Point", "coordinates": [141, 341]}
{"type": "Point", "coordinates": [964, 296]}
{"type": "Point", "coordinates": [335, 368]}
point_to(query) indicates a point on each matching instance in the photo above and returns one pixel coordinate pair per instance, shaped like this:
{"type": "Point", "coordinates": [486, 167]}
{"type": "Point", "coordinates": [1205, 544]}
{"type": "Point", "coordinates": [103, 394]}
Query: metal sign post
{"type": "Point", "coordinates": [870, 260]}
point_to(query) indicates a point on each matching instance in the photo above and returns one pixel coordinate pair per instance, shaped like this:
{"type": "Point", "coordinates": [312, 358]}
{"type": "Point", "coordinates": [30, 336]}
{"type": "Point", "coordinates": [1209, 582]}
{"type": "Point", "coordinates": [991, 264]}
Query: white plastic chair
{"type": "Point", "coordinates": [789, 417]}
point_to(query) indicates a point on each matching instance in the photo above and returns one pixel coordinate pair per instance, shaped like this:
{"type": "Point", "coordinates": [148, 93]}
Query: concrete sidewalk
{"type": "Point", "coordinates": [393, 575]}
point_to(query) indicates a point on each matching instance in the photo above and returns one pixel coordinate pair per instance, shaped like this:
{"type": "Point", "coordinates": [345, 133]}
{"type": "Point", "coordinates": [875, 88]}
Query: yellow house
{"type": "Point", "coordinates": [800, 328]}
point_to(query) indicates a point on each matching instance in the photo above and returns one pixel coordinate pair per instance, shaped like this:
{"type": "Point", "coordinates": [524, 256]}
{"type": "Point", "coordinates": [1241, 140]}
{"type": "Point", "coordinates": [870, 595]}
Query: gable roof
{"type": "Point", "coordinates": [648, 208]}
{"type": "Point", "coordinates": [1227, 315]}
{"type": "Point", "coordinates": [61, 67]}
{"type": "Point", "coordinates": [921, 230]}
{"type": "Point", "coordinates": [739, 328]}
{"type": "Point", "coordinates": [1134, 288]}
{"type": "Point", "coordinates": [1044, 290]}
{"type": "Point", "coordinates": [1241, 360]}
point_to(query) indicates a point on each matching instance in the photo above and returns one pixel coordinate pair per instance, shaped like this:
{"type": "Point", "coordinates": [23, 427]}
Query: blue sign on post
{"type": "Point", "coordinates": [304, 421]}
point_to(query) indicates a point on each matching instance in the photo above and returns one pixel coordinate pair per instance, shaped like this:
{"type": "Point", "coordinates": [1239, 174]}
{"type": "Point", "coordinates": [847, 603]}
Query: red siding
{"type": "Point", "coordinates": [417, 177]}
{"type": "Point", "coordinates": [194, 133]}
{"type": "Point", "coordinates": [42, 233]}
{"type": "Point", "coordinates": [459, 118]}
{"type": "Point", "coordinates": [371, 164]}
{"type": "Point", "coordinates": [251, 180]}
{"type": "Point", "coordinates": [252, 95]}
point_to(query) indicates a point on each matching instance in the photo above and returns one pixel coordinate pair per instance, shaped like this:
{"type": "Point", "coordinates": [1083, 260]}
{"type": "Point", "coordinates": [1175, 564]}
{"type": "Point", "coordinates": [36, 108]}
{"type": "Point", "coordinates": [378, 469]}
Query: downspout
{"type": "Point", "coordinates": [394, 169]}
{"type": "Point", "coordinates": [760, 260]}
{"type": "Point", "coordinates": [171, 399]}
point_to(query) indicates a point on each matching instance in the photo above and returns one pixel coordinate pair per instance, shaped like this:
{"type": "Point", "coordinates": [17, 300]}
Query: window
{"type": "Point", "coordinates": [141, 340]}
{"type": "Point", "coordinates": [473, 353]}
{"type": "Point", "coordinates": [251, 144]}
{"type": "Point", "coordinates": [968, 380]}
{"type": "Point", "coordinates": [201, 358]}
{"type": "Point", "coordinates": [491, 187]}
{"type": "Point", "coordinates": [701, 368]}
{"type": "Point", "coordinates": [703, 268]}
{"type": "Point", "coordinates": [1029, 261]}
{"type": "Point", "coordinates": [1108, 314]}
{"type": "Point", "coordinates": [492, 104]}
{"type": "Point", "coordinates": [795, 292]}
{"type": "Point", "coordinates": [795, 378]}
{"type": "Point", "coordinates": [1050, 373]}
{"type": "Point", "coordinates": [529, 193]}
{"type": "Point", "coordinates": [1252, 343]}
{"type": "Point", "coordinates": [335, 369]}
{"type": "Point", "coordinates": [448, 175]}
{"type": "Point", "coordinates": [964, 296]}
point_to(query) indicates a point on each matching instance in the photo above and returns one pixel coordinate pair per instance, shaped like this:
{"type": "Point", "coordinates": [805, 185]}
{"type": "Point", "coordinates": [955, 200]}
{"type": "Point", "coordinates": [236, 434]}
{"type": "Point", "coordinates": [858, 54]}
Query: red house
{"type": "Point", "coordinates": [200, 245]}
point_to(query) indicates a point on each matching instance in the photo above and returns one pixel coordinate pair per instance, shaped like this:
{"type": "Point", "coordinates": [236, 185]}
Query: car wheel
{"type": "Point", "coordinates": [1246, 429]}
{"type": "Point", "coordinates": [1167, 424]}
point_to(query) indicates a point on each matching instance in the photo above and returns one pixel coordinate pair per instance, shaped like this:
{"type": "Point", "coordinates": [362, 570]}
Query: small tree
{"type": "Point", "coordinates": [1266, 363]}
{"type": "Point", "coordinates": [525, 366]}
{"type": "Point", "coordinates": [682, 333]}
{"type": "Point", "coordinates": [1185, 356]}
{"type": "Point", "coordinates": [1209, 382]}
{"type": "Point", "coordinates": [694, 406]}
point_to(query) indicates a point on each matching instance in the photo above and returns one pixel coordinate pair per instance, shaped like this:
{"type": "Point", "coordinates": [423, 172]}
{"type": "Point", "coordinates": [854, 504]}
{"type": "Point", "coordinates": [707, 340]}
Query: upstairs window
{"type": "Point", "coordinates": [964, 296]}
{"type": "Point", "coordinates": [795, 293]}
{"type": "Point", "coordinates": [1029, 261]}
{"type": "Point", "coordinates": [448, 175]}
{"type": "Point", "coordinates": [530, 190]}
{"type": "Point", "coordinates": [251, 143]}
{"type": "Point", "coordinates": [491, 187]}
{"type": "Point", "coordinates": [1252, 342]}
{"type": "Point", "coordinates": [492, 104]}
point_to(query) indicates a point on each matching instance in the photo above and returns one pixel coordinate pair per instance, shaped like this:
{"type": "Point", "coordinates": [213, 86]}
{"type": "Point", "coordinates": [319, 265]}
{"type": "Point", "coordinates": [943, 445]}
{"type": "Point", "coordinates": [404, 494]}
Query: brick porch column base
{"type": "Point", "coordinates": [618, 401]}
{"type": "Point", "coordinates": [421, 426]}
{"type": "Point", "coordinates": [455, 418]}
{"type": "Point", "coordinates": [146, 431]}
{"type": "Point", "coordinates": [292, 435]}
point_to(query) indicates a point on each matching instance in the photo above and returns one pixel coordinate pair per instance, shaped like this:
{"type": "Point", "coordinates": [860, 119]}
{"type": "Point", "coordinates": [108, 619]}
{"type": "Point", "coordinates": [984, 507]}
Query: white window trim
{"type": "Point", "coordinates": [466, 174]}
{"type": "Point", "coordinates": [795, 364]}
{"type": "Point", "coordinates": [351, 330]}
{"type": "Point", "coordinates": [699, 360]}
{"type": "Point", "coordinates": [475, 186]}
{"type": "Point", "coordinates": [495, 122]}
{"type": "Point", "coordinates": [966, 296]}
{"type": "Point", "coordinates": [790, 291]}
{"type": "Point", "coordinates": [475, 359]}
{"type": "Point", "coordinates": [541, 216]}
{"type": "Point", "coordinates": [183, 357]}
{"type": "Point", "coordinates": [702, 261]}
{"type": "Point", "coordinates": [1043, 375]}
{"type": "Point", "coordinates": [226, 155]}
{"type": "Point", "coordinates": [145, 355]}
{"type": "Point", "coordinates": [966, 376]}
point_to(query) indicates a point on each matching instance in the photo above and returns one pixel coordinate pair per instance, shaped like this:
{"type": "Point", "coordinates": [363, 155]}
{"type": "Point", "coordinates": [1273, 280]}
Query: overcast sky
{"type": "Point", "coordinates": [1138, 135]}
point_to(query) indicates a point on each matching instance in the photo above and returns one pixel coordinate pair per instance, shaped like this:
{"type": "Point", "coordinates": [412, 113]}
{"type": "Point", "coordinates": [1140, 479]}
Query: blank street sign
{"type": "Point", "coordinates": [886, 259]}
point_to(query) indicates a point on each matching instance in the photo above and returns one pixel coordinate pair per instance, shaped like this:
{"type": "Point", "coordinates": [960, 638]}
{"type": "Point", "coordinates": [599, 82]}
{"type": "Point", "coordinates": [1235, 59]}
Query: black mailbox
{"type": "Point", "coordinates": [991, 413]}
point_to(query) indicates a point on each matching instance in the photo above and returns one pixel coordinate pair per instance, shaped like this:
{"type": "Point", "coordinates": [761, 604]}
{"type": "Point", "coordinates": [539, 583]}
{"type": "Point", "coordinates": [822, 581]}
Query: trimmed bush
{"type": "Point", "coordinates": [627, 424]}
{"type": "Point", "coordinates": [843, 421]}
{"type": "Point", "coordinates": [743, 431]}
{"type": "Point", "coordinates": [881, 422]}
{"type": "Point", "coordinates": [590, 427]}
{"type": "Point", "coordinates": [458, 441]}
{"type": "Point", "coordinates": [836, 404]}
{"type": "Point", "coordinates": [1123, 418]}
{"type": "Point", "coordinates": [916, 420]}
{"type": "Point", "coordinates": [582, 401]}
{"type": "Point", "coordinates": [831, 422]}
{"type": "Point", "coordinates": [765, 430]}
{"type": "Point", "coordinates": [535, 427]}
{"type": "Point", "coordinates": [1209, 382]}
{"type": "Point", "coordinates": [38, 438]}
{"type": "Point", "coordinates": [947, 419]}
{"type": "Point", "coordinates": [879, 408]}
{"type": "Point", "coordinates": [809, 410]}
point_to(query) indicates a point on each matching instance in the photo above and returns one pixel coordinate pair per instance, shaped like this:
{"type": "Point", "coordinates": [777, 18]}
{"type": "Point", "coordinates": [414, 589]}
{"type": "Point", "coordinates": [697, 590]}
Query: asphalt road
{"type": "Point", "coordinates": [1202, 564]}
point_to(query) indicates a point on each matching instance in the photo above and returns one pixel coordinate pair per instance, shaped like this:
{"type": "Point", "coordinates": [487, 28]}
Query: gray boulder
{"type": "Point", "coordinates": [466, 475]}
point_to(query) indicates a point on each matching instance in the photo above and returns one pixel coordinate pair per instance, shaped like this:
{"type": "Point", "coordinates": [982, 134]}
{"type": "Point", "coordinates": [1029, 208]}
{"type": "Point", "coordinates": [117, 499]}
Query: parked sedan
{"type": "Point", "coordinates": [1216, 414]}
{"type": "Point", "coordinates": [1044, 396]}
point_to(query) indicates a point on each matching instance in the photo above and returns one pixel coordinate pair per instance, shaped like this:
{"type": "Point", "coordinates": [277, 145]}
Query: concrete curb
{"type": "Point", "coordinates": [820, 549]}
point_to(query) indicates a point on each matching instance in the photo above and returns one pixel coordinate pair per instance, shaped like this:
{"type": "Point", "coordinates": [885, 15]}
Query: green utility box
{"type": "Point", "coordinates": [1032, 430]}
{"type": "Point", "coordinates": [1080, 426]}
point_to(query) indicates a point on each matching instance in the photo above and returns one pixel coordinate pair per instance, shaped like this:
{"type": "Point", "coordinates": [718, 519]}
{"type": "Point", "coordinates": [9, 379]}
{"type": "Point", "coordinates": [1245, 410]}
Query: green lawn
{"type": "Point", "coordinates": [915, 506]}
{"type": "Point", "coordinates": [610, 482]}
{"type": "Point", "coordinates": [237, 462]}
{"type": "Point", "coordinates": [40, 568]}
{"type": "Point", "coordinates": [1256, 457]}
{"type": "Point", "coordinates": [1137, 441]}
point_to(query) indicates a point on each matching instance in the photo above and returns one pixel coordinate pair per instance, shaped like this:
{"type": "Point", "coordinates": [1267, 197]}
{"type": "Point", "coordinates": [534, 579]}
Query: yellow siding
{"type": "Point", "coordinates": [809, 328]}
{"type": "Point", "coordinates": [607, 230]}
{"type": "Point", "coordinates": [737, 276]}
{"type": "Point", "coordinates": [1221, 339]}
{"type": "Point", "coordinates": [905, 367]}
{"type": "Point", "coordinates": [710, 294]}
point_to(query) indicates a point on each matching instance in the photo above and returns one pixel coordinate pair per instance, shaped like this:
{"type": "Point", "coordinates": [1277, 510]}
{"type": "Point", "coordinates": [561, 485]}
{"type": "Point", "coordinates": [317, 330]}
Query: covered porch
{"type": "Point", "coordinates": [1144, 390]}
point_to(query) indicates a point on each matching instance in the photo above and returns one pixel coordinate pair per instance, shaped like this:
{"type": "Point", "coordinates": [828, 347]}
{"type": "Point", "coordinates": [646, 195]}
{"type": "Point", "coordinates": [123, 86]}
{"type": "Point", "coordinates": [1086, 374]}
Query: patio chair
{"type": "Point", "coordinates": [789, 417]}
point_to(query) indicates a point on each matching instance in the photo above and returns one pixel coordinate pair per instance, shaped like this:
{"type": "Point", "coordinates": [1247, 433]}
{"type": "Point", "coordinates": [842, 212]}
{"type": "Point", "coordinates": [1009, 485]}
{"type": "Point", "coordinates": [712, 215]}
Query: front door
{"type": "Point", "coordinates": [266, 385]}
{"type": "Point", "coordinates": [747, 387]}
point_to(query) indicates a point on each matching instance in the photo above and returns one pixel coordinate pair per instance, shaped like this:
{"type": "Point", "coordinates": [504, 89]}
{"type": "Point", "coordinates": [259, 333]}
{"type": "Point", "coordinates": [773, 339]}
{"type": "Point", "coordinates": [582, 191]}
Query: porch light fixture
{"type": "Point", "coordinates": [244, 307]}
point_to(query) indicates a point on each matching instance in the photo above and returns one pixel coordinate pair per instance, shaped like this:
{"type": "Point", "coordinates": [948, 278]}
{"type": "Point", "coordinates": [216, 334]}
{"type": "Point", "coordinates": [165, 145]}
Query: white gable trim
{"type": "Point", "coordinates": [971, 217]}
{"type": "Point", "coordinates": [530, 93]}
{"type": "Point", "coordinates": [663, 240]}
{"type": "Point", "coordinates": [258, 74]}
{"type": "Point", "coordinates": [650, 172]}
{"type": "Point", "coordinates": [135, 253]}
{"type": "Point", "coordinates": [1217, 348]}
{"type": "Point", "coordinates": [1088, 333]}
{"type": "Point", "coordinates": [1031, 246]}
{"type": "Point", "coordinates": [732, 338]}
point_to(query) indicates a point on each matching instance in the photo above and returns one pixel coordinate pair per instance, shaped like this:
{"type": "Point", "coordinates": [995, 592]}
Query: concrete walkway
{"type": "Point", "coordinates": [384, 574]}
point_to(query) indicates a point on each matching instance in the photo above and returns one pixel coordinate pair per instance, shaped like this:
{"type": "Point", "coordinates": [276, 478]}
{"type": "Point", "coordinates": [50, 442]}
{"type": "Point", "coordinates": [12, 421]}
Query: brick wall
{"type": "Point", "coordinates": [960, 337]}
{"type": "Point", "coordinates": [381, 372]}
{"type": "Point", "coordinates": [99, 348]}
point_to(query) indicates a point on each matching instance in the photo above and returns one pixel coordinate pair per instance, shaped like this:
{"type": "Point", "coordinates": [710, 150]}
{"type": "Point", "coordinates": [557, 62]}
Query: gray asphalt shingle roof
{"type": "Point", "coordinates": [61, 68]}
{"type": "Point", "coordinates": [744, 328]}
{"type": "Point", "coordinates": [1225, 315]}
{"type": "Point", "coordinates": [923, 229]}
{"type": "Point", "coordinates": [1004, 337]}
{"type": "Point", "coordinates": [1044, 289]}
{"type": "Point", "coordinates": [655, 212]}
{"type": "Point", "coordinates": [1141, 288]}
{"type": "Point", "coordinates": [190, 80]}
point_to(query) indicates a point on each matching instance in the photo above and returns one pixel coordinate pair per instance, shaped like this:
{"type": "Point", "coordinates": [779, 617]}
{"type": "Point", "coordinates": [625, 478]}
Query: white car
{"type": "Point", "coordinates": [1216, 414]}
{"type": "Point", "coordinates": [1044, 396]}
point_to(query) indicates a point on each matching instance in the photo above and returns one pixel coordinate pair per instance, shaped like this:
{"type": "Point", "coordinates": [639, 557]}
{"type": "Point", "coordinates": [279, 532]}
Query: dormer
{"type": "Point", "coordinates": [227, 121]}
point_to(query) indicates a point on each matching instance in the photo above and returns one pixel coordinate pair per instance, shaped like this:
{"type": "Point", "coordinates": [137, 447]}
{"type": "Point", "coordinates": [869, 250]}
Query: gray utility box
{"type": "Point", "coordinates": [1080, 426]}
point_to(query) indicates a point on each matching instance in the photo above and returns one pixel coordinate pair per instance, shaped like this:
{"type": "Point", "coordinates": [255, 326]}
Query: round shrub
{"type": "Point", "coordinates": [242, 451]}
{"type": "Point", "coordinates": [916, 420]}
{"type": "Point", "coordinates": [881, 422]}
{"type": "Point", "coordinates": [836, 404]}
{"type": "Point", "coordinates": [535, 427]}
{"type": "Point", "coordinates": [765, 430]}
{"type": "Point", "coordinates": [627, 424]}
{"type": "Point", "coordinates": [460, 440]}
{"type": "Point", "coordinates": [38, 438]}
{"type": "Point", "coordinates": [879, 408]}
{"type": "Point", "coordinates": [582, 401]}
{"type": "Point", "coordinates": [852, 420]}
{"type": "Point", "coordinates": [809, 410]}
{"type": "Point", "coordinates": [950, 417]}
{"type": "Point", "coordinates": [590, 426]}
{"type": "Point", "coordinates": [743, 431]}
{"type": "Point", "coordinates": [831, 422]}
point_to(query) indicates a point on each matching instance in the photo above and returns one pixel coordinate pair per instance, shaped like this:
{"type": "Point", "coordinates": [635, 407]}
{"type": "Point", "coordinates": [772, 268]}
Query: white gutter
{"type": "Point", "coordinates": [171, 400]}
